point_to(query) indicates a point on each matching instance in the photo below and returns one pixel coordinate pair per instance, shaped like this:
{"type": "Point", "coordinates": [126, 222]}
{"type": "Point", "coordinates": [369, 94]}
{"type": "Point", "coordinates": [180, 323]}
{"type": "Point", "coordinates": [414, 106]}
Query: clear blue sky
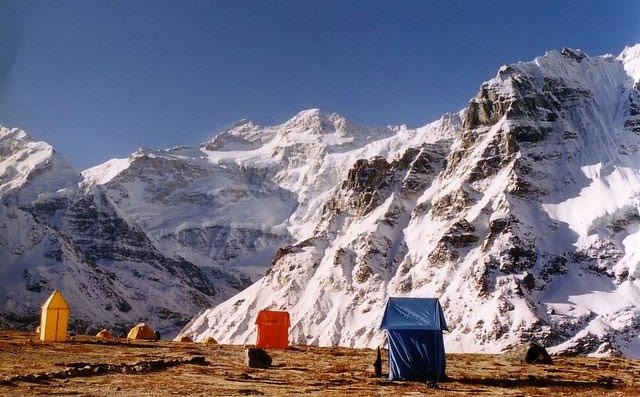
{"type": "Point", "coordinates": [98, 79]}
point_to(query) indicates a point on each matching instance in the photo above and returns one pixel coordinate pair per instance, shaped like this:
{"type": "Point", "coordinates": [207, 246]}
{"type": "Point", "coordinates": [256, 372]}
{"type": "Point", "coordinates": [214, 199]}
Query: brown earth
{"type": "Point", "coordinates": [86, 366]}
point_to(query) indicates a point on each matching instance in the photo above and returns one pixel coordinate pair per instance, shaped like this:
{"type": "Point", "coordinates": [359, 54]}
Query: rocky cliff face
{"type": "Point", "coordinates": [521, 219]}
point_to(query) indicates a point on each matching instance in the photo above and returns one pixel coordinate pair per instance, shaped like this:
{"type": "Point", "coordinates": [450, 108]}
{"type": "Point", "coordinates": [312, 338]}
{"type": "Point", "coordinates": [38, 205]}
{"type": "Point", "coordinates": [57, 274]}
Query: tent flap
{"type": "Point", "coordinates": [416, 355]}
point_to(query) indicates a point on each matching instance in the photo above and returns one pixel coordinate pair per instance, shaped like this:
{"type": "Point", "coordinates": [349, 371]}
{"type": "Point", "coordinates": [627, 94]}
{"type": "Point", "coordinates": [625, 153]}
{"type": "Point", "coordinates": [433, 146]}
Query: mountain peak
{"type": "Point", "coordinates": [306, 118]}
{"type": "Point", "coordinates": [310, 113]}
{"type": "Point", "coordinates": [318, 122]}
{"type": "Point", "coordinates": [520, 220]}
{"type": "Point", "coordinates": [630, 58]}
{"type": "Point", "coordinates": [575, 54]}
{"type": "Point", "coordinates": [16, 133]}
{"type": "Point", "coordinates": [31, 169]}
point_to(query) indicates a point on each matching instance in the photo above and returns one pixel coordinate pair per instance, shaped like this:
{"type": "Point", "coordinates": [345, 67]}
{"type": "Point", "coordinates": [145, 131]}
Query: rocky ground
{"type": "Point", "coordinates": [87, 366]}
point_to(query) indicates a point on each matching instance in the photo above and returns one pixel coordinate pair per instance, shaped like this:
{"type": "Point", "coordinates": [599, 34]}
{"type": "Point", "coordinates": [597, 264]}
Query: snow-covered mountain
{"type": "Point", "coordinates": [58, 233]}
{"type": "Point", "coordinates": [519, 212]}
{"type": "Point", "coordinates": [163, 234]}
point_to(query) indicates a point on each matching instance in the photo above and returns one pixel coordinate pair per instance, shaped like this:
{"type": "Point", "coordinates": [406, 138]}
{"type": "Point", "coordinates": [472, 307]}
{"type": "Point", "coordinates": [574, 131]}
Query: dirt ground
{"type": "Point", "coordinates": [79, 367]}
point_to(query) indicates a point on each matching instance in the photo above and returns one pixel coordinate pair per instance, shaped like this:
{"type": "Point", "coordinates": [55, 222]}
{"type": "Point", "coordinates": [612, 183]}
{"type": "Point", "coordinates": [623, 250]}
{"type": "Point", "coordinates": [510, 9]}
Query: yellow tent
{"type": "Point", "coordinates": [209, 340]}
{"type": "Point", "coordinates": [104, 334]}
{"type": "Point", "coordinates": [54, 318]}
{"type": "Point", "coordinates": [142, 331]}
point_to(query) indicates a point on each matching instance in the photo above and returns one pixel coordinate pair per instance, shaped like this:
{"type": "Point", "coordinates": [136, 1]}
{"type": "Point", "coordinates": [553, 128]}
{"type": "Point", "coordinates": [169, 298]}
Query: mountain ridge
{"type": "Point", "coordinates": [326, 218]}
{"type": "Point", "coordinates": [490, 238]}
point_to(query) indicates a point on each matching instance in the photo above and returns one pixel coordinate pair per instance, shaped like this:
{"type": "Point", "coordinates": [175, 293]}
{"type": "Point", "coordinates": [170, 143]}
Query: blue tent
{"type": "Point", "coordinates": [416, 346]}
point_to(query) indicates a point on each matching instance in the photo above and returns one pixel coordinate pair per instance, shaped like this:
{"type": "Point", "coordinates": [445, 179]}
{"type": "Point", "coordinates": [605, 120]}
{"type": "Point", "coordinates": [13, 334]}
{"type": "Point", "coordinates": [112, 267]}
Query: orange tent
{"type": "Point", "coordinates": [273, 329]}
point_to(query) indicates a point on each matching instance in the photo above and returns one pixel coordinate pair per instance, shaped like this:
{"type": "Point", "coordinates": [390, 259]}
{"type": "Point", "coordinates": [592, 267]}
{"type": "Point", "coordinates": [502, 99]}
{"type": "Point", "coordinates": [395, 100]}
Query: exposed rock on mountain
{"type": "Point", "coordinates": [522, 218]}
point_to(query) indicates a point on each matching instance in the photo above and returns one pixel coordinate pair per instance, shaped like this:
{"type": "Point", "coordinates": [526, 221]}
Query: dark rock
{"type": "Point", "coordinates": [528, 133]}
{"type": "Point", "coordinates": [537, 355]}
{"type": "Point", "coordinates": [573, 54]}
{"type": "Point", "coordinates": [529, 281]}
{"type": "Point", "coordinates": [555, 266]}
{"type": "Point", "coordinates": [451, 204]}
{"type": "Point", "coordinates": [377, 365]}
{"type": "Point", "coordinates": [198, 360]}
{"type": "Point", "coordinates": [257, 358]}
{"type": "Point", "coordinates": [484, 110]}
{"type": "Point", "coordinates": [529, 353]}
{"type": "Point", "coordinates": [362, 274]}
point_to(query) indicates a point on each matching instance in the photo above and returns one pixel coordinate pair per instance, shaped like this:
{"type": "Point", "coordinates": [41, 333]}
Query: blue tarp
{"type": "Point", "coordinates": [416, 345]}
{"type": "Point", "coordinates": [414, 313]}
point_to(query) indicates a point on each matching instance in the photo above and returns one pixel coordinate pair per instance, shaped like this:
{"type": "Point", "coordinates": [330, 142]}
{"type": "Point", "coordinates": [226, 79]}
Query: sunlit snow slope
{"type": "Point", "coordinates": [522, 217]}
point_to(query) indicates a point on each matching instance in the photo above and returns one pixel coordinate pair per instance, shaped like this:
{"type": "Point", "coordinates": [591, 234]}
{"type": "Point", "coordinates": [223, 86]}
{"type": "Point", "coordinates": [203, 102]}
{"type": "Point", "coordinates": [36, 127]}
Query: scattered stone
{"type": "Point", "coordinates": [528, 353]}
{"type": "Point", "coordinates": [83, 369]}
{"type": "Point", "coordinates": [198, 360]}
{"type": "Point", "coordinates": [250, 392]}
{"type": "Point", "coordinates": [257, 358]}
{"type": "Point", "coordinates": [537, 355]}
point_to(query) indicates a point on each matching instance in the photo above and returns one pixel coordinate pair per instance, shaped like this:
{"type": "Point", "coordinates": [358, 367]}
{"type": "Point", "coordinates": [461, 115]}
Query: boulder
{"type": "Point", "coordinates": [257, 358]}
{"type": "Point", "coordinates": [528, 353]}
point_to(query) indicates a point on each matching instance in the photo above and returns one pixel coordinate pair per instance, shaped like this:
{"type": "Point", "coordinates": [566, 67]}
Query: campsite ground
{"type": "Point", "coordinates": [31, 367]}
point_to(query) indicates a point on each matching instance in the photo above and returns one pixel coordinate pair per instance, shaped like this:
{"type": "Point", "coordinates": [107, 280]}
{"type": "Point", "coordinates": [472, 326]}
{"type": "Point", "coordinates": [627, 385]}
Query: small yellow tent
{"type": "Point", "coordinates": [104, 334]}
{"type": "Point", "coordinates": [209, 340]}
{"type": "Point", "coordinates": [142, 331]}
{"type": "Point", "coordinates": [54, 318]}
{"type": "Point", "coordinates": [183, 338]}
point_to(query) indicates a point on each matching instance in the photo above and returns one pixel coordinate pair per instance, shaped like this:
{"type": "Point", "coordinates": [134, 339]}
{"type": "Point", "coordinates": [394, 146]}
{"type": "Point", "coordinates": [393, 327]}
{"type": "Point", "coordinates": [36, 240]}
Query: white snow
{"type": "Point", "coordinates": [105, 172]}
{"type": "Point", "coordinates": [630, 58]}
{"type": "Point", "coordinates": [603, 196]}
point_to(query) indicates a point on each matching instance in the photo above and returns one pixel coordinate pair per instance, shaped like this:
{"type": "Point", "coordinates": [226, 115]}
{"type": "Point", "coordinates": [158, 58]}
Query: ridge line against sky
{"type": "Point", "coordinates": [99, 79]}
